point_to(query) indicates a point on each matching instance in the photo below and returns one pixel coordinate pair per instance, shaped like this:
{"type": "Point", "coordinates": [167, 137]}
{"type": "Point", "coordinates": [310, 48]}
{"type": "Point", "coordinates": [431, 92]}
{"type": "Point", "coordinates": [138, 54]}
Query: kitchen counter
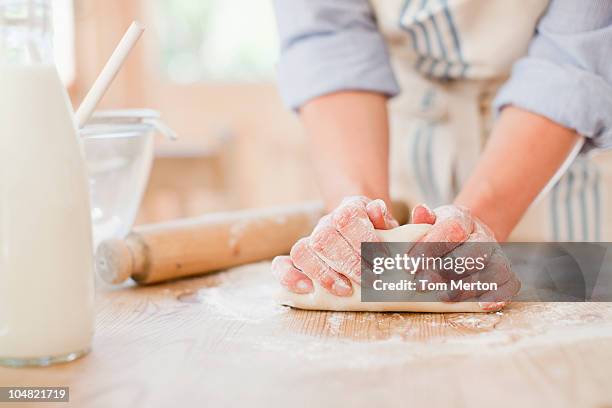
{"type": "Point", "coordinates": [221, 340]}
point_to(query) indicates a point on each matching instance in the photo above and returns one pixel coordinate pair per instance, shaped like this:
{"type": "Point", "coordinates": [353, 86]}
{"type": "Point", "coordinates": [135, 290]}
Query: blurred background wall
{"type": "Point", "coordinates": [209, 67]}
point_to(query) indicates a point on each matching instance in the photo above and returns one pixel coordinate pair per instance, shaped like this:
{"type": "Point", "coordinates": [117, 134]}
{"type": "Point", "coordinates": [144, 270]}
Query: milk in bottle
{"type": "Point", "coordinates": [46, 260]}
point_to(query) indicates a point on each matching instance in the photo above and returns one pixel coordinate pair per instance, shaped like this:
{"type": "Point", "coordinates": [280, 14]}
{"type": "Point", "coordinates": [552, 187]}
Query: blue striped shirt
{"type": "Point", "coordinates": [334, 45]}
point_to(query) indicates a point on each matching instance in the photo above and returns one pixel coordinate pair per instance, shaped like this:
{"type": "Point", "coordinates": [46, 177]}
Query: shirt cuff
{"type": "Point", "coordinates": [565, 94]}
{"type": "Point", "coordinates": [330, 62]}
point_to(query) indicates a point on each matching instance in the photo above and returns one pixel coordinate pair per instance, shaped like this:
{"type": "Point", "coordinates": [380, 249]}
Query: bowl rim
{"type": "Point", "coordinates": [115, 131]}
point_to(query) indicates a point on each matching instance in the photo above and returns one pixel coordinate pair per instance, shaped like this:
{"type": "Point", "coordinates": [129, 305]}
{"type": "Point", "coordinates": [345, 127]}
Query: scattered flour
{"type": "Point", "coordinates": [334, 321]}
{"type": "Point", "coordinates": [246, 294]}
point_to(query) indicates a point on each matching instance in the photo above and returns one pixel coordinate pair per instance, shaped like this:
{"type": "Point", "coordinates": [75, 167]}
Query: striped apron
{"type": "Point", "coordinates": [450, 58]}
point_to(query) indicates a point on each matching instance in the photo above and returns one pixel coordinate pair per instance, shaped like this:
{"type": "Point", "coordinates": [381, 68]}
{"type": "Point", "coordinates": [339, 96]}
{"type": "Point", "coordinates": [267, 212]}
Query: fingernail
{"type": "Point", "coordinates": [303, 286]}
{"type": "Point", "coordinates": [341, 288]}
{"type": "Point", "coordinates": [491, 305]}
{"type": "Point", "coordinates": [383, 206]}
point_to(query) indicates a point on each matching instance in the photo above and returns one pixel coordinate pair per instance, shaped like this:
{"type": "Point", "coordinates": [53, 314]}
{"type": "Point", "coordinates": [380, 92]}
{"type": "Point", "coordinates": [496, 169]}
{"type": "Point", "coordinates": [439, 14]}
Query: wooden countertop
{"type": "Point", "coordinates": [221, 340]}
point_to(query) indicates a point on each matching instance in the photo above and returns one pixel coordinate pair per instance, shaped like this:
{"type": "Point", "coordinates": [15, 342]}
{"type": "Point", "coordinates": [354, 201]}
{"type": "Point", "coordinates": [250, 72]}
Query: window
{"type": "Point", "coordinates": [215, 40]}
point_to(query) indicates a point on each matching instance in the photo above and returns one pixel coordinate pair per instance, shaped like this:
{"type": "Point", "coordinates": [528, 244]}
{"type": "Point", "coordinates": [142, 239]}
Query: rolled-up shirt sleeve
{"type": "Point", "coordinates": [329, 46]}
{"type": "Point", "coordinates": [567, 74]}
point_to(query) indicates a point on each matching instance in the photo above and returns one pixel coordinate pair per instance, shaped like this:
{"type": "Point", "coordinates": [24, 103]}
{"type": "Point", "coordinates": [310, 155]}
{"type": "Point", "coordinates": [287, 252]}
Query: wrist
{"type": "Point", "coordinates": [485, 204]}
{"type": "Point", "coordinates": [522, 155]}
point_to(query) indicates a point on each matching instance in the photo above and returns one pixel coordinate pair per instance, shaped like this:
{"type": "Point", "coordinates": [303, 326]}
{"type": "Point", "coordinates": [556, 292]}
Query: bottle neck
{"type": "Point", "coordinates": [25, 32]}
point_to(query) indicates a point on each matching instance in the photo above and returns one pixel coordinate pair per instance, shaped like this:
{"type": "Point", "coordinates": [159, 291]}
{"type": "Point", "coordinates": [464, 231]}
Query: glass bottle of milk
{"type": "Point", "coordinates": [46, 255]}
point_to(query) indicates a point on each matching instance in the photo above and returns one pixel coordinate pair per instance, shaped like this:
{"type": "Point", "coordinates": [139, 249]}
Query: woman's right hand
{"type": "Point", "coordinates": [331, 255]}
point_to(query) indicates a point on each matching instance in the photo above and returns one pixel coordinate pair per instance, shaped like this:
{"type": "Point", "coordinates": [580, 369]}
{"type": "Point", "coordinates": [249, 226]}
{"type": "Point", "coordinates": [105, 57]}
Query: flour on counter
{"type": "Point", "coordinates": [246, 294]}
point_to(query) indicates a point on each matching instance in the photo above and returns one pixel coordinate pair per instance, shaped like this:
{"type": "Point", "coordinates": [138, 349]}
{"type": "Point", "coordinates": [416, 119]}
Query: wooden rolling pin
{"type": "Point", "coordinates": [160, 252]}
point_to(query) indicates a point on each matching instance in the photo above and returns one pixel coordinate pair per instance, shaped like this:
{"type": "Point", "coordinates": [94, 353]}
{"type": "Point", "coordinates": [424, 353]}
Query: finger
{"type": "Point", "coordinates": [421, 214]}
{"type": "Point", "coordinates": [379, 215]}
{"type": "Point", "coordinates": [423, 277]}
{"type": "Point", "coordinates": [305, 259]}
{"type": "Point", "coordinates": [492, 307]}
{"type": "Point", "coordinates": [474, 254]}
{"type": "Point", "coordinates": [290, 277]}
{"type": "Point", "coordinates": [497, 273]}
{"type": "Point", "coordinates": [332, 248]}
{"type": "Point", "coordinates": [453, 226]}
{"type": "Point", "coordinates": [502, 295]}
{"type": "Point", "coordinates": [467, 259]}
{"type": "Point", "coordinates": [354, 225]}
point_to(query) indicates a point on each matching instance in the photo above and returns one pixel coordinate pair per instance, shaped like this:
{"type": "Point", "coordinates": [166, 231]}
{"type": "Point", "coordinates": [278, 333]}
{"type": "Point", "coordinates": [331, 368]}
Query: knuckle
{"type": "Point", "coordinates": [351, 267]}
{"type": "Point", "coordinates": [355, 199]}
{"type": "Point", "coordinates": [319, 275]}
{"type": "Point", "coordinates": [325, 279]}
{"type": "Point", "coordinates": [456, 231]}
{"type": "Point", "coordinates": [348, 215]}
{"type": "Point", "coordinates": [321, 238]}
{"type": "Point", "coordinates": [378, 204]}
{"type": "Point", "coordinates": [499, 258]}
{"type": "Point", "coordinates": [302, 244]}
{"type": "Point", "coordinates": [280, 267]}
{"type": "Point", "coordinates": [299, 250]}
{"type": "Point", "coordinates": [281, 264]}
{"type": "Point", "coordinates": [324, 222]}
{"type": "Point", "coordinates": [346, 212]}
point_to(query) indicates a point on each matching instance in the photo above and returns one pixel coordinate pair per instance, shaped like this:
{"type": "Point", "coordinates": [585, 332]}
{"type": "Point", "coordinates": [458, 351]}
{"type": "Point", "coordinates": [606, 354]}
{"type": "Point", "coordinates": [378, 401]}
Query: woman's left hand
{"type": "Point", "coordinates": [457, 233]}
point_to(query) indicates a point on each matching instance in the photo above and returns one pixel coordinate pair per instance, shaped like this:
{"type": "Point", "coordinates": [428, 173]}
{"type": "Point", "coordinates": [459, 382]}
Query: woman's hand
{"type": "Point", "coordinates": [331, 255]}
{"type": "Point", "coordinates": [456, 233]}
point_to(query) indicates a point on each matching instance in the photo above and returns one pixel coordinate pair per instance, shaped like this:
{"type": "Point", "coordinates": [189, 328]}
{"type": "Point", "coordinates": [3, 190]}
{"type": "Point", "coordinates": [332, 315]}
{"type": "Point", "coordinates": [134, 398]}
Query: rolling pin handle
{"type": "Point", "coordinates": [114, 261]}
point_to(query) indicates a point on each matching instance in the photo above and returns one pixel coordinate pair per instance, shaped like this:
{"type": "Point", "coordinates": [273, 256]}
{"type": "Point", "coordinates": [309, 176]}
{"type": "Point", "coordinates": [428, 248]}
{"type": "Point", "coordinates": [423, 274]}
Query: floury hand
{"type": "Point", "coordinates": [456, 234]}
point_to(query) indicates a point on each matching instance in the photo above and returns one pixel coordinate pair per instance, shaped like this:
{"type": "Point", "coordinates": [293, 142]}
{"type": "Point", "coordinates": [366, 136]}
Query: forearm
{"type": "Point", "coordinates": [349, 138]}
{"type": "Point", "coordinates": [523, 154]}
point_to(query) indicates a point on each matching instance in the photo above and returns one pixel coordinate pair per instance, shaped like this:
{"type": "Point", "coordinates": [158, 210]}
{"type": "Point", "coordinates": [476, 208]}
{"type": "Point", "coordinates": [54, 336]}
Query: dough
{"type": "Point", "coordinates": [320, 299]}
